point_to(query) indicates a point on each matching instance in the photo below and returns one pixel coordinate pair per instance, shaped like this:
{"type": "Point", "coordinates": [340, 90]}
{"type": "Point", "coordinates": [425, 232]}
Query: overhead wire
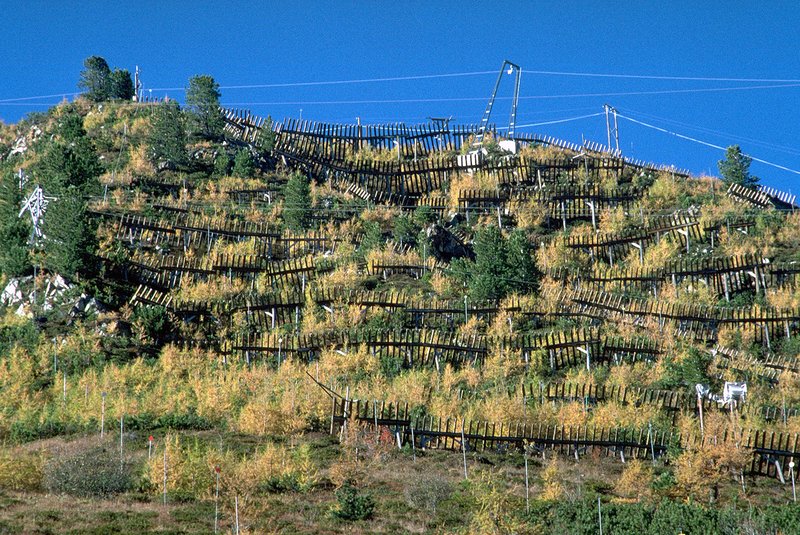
{"type": "Point", "coordinates": [765, 144]}
{"type": "Point", "coordinates": [707, 144]}
{"type": "Point", "coordinates": [660, 77]}
{"type": "Point", "coordinates": [478, 73]}
{"type": "Point", "coordinates": [525, 97]}
{"type": "Point", "coordinates": [557, 121]}
{"type": "Point", "coordinates": [38, 97]}
{"type": "Point", "coordinates": [8, 101]}
{"type": "Point", "coordinates": [340, 82]}
{"type": "Point", "coordinates": [451, 75]}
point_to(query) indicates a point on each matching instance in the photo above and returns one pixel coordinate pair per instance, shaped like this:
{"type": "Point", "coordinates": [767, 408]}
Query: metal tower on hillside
{"type": "Point", "coordinates": [477, 141]}
{"type": "Point", "coordinates": [36, 204]}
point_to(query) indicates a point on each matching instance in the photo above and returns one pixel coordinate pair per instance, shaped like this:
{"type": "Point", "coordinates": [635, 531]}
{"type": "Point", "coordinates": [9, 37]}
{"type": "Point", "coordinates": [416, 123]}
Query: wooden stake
{"type": "Point", "coordinates": [216, 501]}
{"type": "Point", "coordinates": [464, 449]}
{"type": "Point", "coordinates": [527, 488]}
{"type": "Point", "coordinates": [165, 473]}
{"type": "Point", "coordinates": [413, 445]}
{"type": "Point", "coordinates": [237, 514]}
{"type": "Point", "coordinates": [103, 415]}
{"type": "Point", "coordinates": [700, 408]}
{"type": "Point", "coordinates": [600, 515]}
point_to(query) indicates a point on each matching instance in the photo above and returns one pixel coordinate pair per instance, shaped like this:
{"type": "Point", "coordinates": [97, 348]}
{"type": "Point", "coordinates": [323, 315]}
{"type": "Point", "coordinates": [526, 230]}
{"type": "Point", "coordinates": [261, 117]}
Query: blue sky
{"type": "Point", "coordinates": [244, 43]}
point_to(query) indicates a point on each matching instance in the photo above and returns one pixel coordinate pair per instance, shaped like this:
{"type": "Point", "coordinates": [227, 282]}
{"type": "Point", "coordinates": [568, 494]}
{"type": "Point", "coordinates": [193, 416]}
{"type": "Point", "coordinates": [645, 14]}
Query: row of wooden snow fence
{"type": "Point", "coordinates": [772, 451]}
{"type": "Point", "coordinates": [428, 432]}
{"type": "Point", "coordinates": [435, 136]}
{"type": "Point", "coordinates": [603, 305]}
{"type": "Point", "coordinates": [725, 275]}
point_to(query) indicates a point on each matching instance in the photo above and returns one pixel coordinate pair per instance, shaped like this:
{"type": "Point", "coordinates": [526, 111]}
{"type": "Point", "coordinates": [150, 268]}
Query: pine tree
{"type": "Point", "coordinates": [297, 203]}
{"type": "Point", "coordinates": [520, 264]}
{"type": "Point", "coordinates": [120, 85]}
{"type": "Point", "coordinates": [202, 107]}
{"type": "Point", "coordinates": [95, 79]}
{"type": "Point", "coordinates": [167, 140]}
{"type": "Point", "coordinates": [70, 236]}
{"type": "Point", "coordinates": [222, 164]}
{"type": "Point", "coordinates": [735, 168]}
{"type": "Point", "coordinates": [69, 164]}
{"type": "Point", "coordinates": [489, 279]}
{"type": "Point", "coordinates": [267, 136]}
{"type": "Point", "coordinates": [243, 166]}
{"type": "Point", "coordinates": [69, 159]}
{"type": "Point", "coordinates": [14, 231]}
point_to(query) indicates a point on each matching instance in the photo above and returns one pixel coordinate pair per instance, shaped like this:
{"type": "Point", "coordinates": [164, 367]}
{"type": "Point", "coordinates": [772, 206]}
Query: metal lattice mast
{"type": "Point", "coordinates": [36, 204]}
{"type": "Point", "coordinates": [513, 120]}
{"type": "Point", "coordinates": [609, 130]}
{"type": "Point", "coordinates": [477, 141]}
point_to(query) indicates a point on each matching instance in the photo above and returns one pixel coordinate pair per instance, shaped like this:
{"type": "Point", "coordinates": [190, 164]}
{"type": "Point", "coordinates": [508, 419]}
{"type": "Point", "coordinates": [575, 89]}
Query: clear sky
{"type": "Point", "coordinates": [255, 43]}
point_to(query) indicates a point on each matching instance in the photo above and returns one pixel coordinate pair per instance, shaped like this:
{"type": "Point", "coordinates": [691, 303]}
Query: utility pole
{"type": "Point", "coordinates": [610, 110]}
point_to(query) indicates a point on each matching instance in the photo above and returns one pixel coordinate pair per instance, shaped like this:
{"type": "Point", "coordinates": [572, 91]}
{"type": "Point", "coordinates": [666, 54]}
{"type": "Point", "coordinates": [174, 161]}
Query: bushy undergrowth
{"type": "Point", "coordinates": [582, 518]}
{"type": "Point", "coordinates": [353, 504]}
{"type": "Point", "coordinates": [20, 470]}
{"type": "Point", "coordinates": [97, 471]}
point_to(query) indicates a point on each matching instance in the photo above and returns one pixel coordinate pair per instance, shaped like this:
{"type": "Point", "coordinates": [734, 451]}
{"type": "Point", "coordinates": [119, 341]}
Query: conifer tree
{"type": "Point", "coordinates": [297, 203]}
{"type": "Point", "coordinates": [68, 170]}
{"type": "Point", "coordinates": [735, 168]}
{"type": "Point", "coordinates": [489, 280]}
{"type": "Point", "coordinates": [70, 236]}
{"type": "Point", "coordinates": [95, 79]}
{"type": "Point", "coordinates": [167, 140]}
{"type": "Point", "coordinates": [14, 231]}
{"type": "Point", "coordinates": [69, 159]}
{"type": "Point", "coordinates": [120, 85]}
{"type": "Point", "coordinates": [202, 107]}
{"type": "Point", "coordinates": [521, 267]}
{"type": "Point", "coordinates": [243, 165]}
{"type": "Point", "coordinates": [267, 136]}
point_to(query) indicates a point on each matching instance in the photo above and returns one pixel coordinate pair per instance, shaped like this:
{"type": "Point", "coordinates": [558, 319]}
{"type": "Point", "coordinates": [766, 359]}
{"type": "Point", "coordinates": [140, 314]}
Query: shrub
{"type": "Point", "coordinates": [427, 492]}
{"type": "Point", "coordinates": [151, 324]}
{"type": "Point", "coordinates": [189, 473]}
{"type": "Point", "coordinates": [187, 420]}
{"type": "Point", "coordinates": [243, 165]}
{"type": "Point", "coordinates": [352, 504]}
{"type": "Point", "coordinates": [93, 472]}
{"type": "Point", "coordinates": [33, 428]}
{"type": "Point", "coordinates": [20, 470]}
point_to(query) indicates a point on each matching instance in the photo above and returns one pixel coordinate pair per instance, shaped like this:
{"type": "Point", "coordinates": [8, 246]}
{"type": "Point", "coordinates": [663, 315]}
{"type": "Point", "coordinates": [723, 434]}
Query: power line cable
{"type": "Point", "coordinates": [528, 97]}
{"type": "Point", "coordinates": [773, 146]}
{"type": "Point", "coordinates": [707, 144]}
{"type": "Point", "coordinates": [396, 101]}
{"type": "Point", "coordinates": [479, 73]}
{"type": "Point", "coordinates": [39, 97]}
{"type": "Point", "coordinates": [29, 104]}
{"type": "Point", "coordinates": [660, 77]}
{"type": "Point", "coordinates": [454, 75]}
{"type": "Point", "coordinates": [340, 82]}
{"type": "Point", "coordinates": [556, 121]}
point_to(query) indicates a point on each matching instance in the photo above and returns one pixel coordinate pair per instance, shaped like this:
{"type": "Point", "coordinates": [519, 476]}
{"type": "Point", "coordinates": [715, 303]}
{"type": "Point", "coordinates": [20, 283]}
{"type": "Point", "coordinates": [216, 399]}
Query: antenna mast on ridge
{"type": "Point", "coordinates": [137, 86]}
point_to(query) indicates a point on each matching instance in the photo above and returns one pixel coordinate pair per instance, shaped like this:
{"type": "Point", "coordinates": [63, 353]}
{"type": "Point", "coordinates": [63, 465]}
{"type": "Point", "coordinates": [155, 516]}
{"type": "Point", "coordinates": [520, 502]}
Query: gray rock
{"type": "Point", "coordinates": [445, 245]}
